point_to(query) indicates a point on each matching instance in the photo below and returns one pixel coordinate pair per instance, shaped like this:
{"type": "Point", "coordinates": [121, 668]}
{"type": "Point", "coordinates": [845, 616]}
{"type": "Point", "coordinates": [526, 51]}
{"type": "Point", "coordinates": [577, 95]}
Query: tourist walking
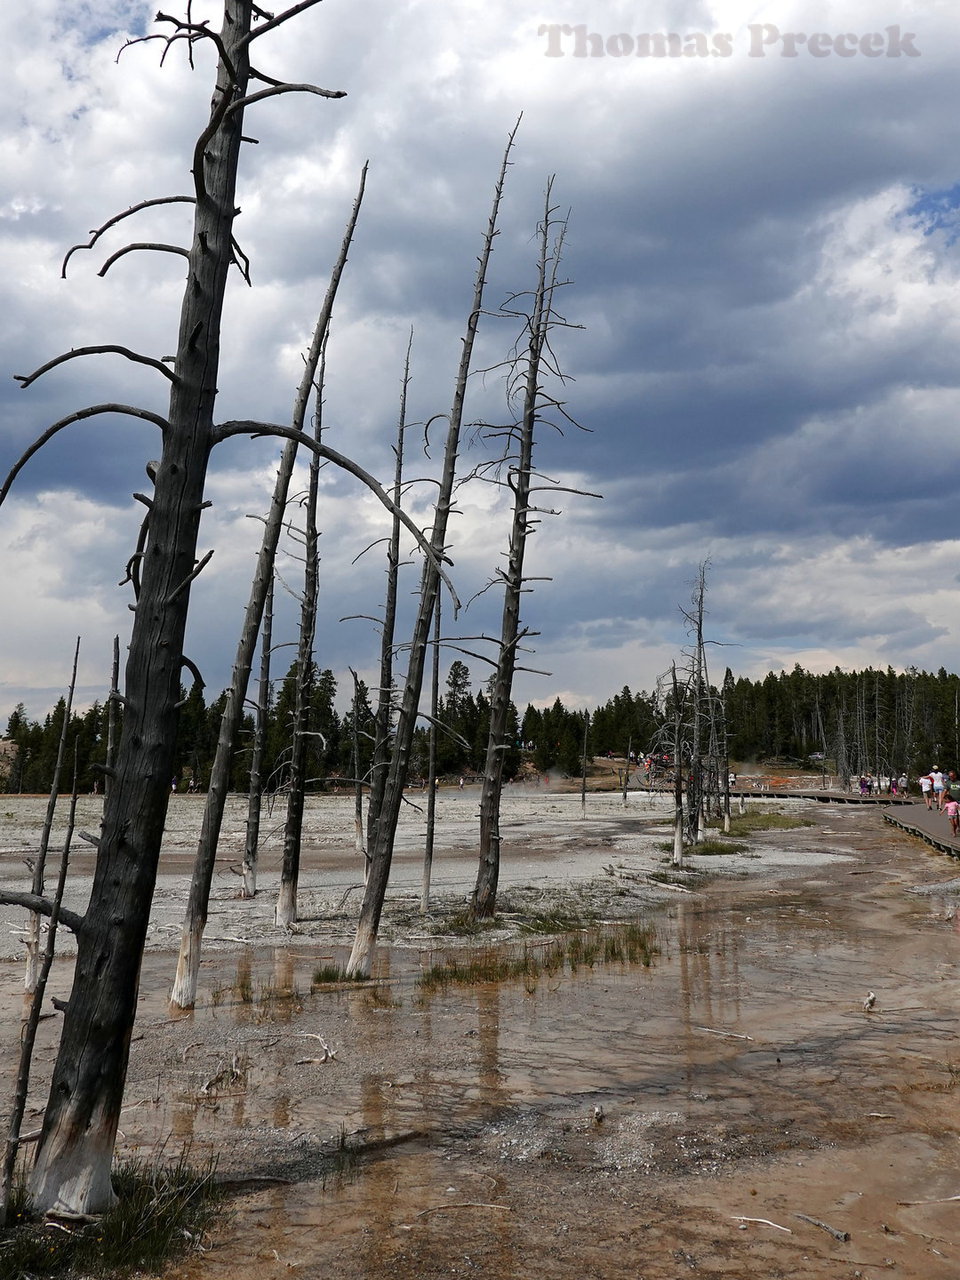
{"type": "Point", "coordinates": [926, 789]}
{"type": "Point", "coordinates": [936, 777]}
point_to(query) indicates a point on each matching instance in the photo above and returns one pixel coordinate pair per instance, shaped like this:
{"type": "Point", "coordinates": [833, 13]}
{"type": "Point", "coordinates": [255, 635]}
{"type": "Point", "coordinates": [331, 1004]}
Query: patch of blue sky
{"type": "Point", "coordinates": [94, 23]}
{"type": "Point", "coordinates": [937, 211]}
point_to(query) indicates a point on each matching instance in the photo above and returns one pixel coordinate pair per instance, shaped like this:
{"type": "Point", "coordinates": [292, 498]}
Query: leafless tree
{"type": "Point", "coordinates": [534, 361]}
{"type": "Point", "coordinates": [381, 852]}
{"type": "Point", "coordinates": [383, 718]}
{"type": "Point", "coordinates": [71, 1172]}
{"type": "Point", "coordinates": [255, 801]}
{"type": "Point", "coordinates": [286, 911]}
{"type": "Point", "coordinates": [184, 991]}
{"type": "Point", "coordinates": [28, 1033]}
{"type": "Point", "coordinates": [40, 863]}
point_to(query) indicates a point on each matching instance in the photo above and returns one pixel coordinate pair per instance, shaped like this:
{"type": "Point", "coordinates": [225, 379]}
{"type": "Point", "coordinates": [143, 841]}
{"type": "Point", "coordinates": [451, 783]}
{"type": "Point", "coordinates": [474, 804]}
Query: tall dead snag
{"type": "Point", "coordinates": [286, 910]}
{"type": "Point", "coordinates": [72, 1169]}
{"type": "Point", "coordinates": [39, 867]}
{"type": "Point", "coordinates": [383, 719]}
{"type": "Point", "coordinates": [528, 379]}
{"type": "Point", "coordinates": [255, 801]}
{"type": "Point", "coordinates": [432, 763]}
{"type": "Point", "coordinates": [184, 991]}
{"type": "Point", "coordinates": [381, 852]}
{"type": "Point", "coordinates": [28, 1034]}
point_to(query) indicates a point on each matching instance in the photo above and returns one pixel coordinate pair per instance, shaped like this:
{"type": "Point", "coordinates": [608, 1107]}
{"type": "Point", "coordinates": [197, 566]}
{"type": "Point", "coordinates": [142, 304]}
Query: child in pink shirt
{"type": "Point", "coordinates": [952, 810]}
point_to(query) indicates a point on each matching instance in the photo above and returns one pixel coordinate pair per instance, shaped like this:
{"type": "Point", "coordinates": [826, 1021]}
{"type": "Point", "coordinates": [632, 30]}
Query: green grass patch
{"type": "Point", "coordinates": [463, 924]}
{"type": "Point", "coordinates": [329, 973]}
{"type": "Point", "coordinates": [585, 948]}
{"type": "Point", "coordinates": [718, 847]}
{"type": "Point", "coordinates": [754, 820]}
{"type": "Point", "coordinates": [161, 1213]}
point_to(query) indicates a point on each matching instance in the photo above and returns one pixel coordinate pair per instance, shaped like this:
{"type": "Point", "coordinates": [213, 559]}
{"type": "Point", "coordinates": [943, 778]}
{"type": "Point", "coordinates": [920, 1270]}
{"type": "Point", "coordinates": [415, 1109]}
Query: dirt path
{"type": "Point", "coordinates": [738, 1078]}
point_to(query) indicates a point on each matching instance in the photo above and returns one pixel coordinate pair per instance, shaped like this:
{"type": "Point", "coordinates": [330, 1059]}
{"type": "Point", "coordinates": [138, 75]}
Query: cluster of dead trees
{"type": "Point", "coordinates": [71, 1173]}
{"type": "Point", "coordinates": [693, 734]}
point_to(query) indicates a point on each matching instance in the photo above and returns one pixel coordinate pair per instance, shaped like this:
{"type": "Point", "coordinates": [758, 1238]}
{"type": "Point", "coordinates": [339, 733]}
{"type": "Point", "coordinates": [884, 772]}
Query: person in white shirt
{"type": "Point", "coordinates": [936, 778]}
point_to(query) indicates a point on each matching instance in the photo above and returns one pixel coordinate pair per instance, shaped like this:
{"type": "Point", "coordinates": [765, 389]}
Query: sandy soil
{"type": "Point", "coordinates": [739, 1080]}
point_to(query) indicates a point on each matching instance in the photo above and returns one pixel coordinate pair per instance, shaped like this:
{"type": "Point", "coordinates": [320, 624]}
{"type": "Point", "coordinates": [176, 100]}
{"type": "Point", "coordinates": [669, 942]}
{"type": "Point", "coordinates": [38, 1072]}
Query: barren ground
{"type": "Point", "coordinates": [455, 1132]}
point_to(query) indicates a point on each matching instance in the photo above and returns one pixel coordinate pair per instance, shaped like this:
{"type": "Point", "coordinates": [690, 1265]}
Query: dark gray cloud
{"type": "Point", "coordinates": [762, 254]}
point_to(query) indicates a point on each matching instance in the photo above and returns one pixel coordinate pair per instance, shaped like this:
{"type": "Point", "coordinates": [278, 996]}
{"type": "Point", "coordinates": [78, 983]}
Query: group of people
{"type": "Point", "coordinates": [893, 786]}
{"type": "Point", "coordinates": [943, 792]}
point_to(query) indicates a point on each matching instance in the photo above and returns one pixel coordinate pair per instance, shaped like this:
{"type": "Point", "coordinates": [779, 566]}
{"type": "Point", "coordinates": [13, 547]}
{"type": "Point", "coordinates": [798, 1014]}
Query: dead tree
{"type": "Point", "coordinates": [40, 865]}
{"type": "Point", "coordinates": [184, 991]}
{"type": "Point", "coordinates": [431, 832]}
{"type": "Point", "coordinates": [71, 1173]}
{"type": "Point", "coordinates": [112, 703]}
{"type": "Point", "coordinates": [527, 381]}
{"type": "Point", "coordinates": [286, 910]}
{"type": "Point", "coordinates": [255, 801]}
{"type": "Point", "coordinates": [381, 852]}
{"type": "Point", "coordinates": [28, 1034]}
{"type": "Point", "coordinates": [383, 719]}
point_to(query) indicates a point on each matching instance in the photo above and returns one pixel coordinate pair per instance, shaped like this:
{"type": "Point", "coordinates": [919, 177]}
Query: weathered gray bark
{"type": "Point", "coordinates": [286, 911]}
{"type": "Point", "coordinates": [678, 711]}
{"type": "Point", "coordinates": [358, 839]}
{"type": "Point", "coordinates": [381, 853]}
{"type": "Point", "coordinates": [383, 719]}
{"type": "Point", "coordinates": [184, 991]}
{"type": "Point", "coordinates": [28, 1033]}
{"type": "Point", "coordinates": [432, 763]}
{"type": "Point", "coordinates": [32, 972]}
{"type": "Point", "coordinates": [520, 478]}
{"type": "Point", "coordinates": [255, 803]}
{"type": "Point", "coordinates": [112, 702]}
{"type": "Point", "coordinates": [72, 1169]}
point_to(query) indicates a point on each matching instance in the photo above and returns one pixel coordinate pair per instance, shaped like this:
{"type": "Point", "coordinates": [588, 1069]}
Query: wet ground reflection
{"type": "Point", "coordinates": [611, 1122]}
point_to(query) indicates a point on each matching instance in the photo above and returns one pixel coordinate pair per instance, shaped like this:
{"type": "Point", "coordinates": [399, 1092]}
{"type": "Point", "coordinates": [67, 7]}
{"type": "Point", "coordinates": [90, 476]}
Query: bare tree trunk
{"type": "Point", "coordinates": [255, 804]}
{"type": "Point", "coordinates": [677, 771]}
{"type": "Point", "coordinates": [357, 779]}
{"type": "Point", "coordinates": [583, 774]}
{"type": "Point", "coordinates": [39, 869]}
{"type": "Point", "coordinates": [286, 912]}
{"type": "Point", "coordinates": [111, 755]}
{"type": "Point", "coordinates": [432, 764]}
{"type": "Point", "coordinates": [383, 719]}
{"type": "Point", "coordinates": [381, 853]}
{"type": "Point", "coordinates": [520, 479]}
{"type": "Point", "coordinates": [72, 1168]}
{"type": "Point", "coordinates": [184, 991]}
{"type": "Point", "coordinates": [28, 1033]}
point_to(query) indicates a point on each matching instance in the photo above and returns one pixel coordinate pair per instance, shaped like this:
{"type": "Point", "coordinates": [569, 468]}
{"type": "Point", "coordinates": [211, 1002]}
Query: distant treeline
{"type": "Point", "coordinates": [860, 722]}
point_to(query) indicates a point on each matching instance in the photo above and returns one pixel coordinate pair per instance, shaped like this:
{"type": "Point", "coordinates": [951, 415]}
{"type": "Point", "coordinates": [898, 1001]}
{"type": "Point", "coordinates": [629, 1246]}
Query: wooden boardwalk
{"type": "Point", "coordinates": [926, 824]}
{"type": "Point", "coordinates": [824, 797]}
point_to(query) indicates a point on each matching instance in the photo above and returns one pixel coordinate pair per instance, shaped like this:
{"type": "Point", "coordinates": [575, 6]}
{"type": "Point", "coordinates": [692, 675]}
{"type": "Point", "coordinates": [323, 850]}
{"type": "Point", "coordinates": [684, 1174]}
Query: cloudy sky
{"type": "Point", "coordinates": [763, 262]}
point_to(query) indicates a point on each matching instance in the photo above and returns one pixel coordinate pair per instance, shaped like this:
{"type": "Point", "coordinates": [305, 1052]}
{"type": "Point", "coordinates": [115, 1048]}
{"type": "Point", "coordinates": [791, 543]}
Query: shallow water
{"type": "Point", "coordinates": [456, 1132]}
{"type": "Point", "coordinates": [739, 1078]}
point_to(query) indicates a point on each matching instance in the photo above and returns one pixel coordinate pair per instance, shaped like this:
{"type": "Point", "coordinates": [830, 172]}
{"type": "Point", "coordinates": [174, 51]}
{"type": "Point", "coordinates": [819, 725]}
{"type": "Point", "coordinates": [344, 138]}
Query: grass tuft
{"type": "Point", "coordinates": [745, 824]}
{"type": "Point", "coordinates": [616, 944]}
{"type": "Point", "coordinates": [717, 847]}
{"type": "Point", "coordinates": [329, 973]}
{"type": "Point", "coordinates": [161, 1213]}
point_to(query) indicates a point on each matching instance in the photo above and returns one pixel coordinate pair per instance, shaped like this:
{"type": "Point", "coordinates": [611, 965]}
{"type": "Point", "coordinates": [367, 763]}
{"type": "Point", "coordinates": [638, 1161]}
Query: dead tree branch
{"type": "Point", "coordinates": [97, 232]}
{"type": "Point", "coordinates": [25, 379]}
{"type": "Point", "coordinates": [246, 428]}
{"type": "Point", "coordinates": [132, 248]}
{"type": "Point", "coordinates": [129, 410]}
{"type": "Point", "coordinates": [42, 906]}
